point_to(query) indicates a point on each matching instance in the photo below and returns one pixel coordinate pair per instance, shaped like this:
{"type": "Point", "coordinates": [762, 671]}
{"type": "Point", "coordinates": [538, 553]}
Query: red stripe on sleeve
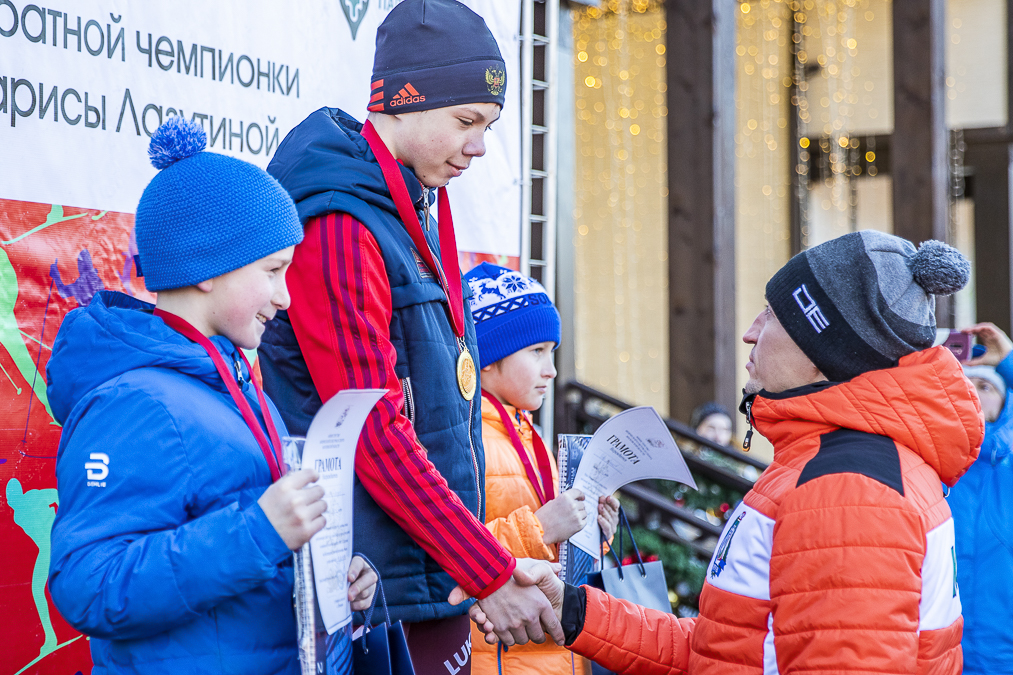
{"type": "Point", "coordinates": [341, 314]}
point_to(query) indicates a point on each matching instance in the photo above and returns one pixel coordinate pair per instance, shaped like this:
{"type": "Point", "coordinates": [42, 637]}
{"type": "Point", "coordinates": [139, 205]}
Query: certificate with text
{"type": "Point", "coordinates": [330, 451]}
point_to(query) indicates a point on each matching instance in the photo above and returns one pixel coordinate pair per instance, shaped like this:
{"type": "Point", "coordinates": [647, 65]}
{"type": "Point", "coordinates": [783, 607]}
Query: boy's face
{"type": "Point", "coordinates": [439, 144]}
{"type": "Point", "coordinates": [991, 400]}
{"type": "Point", "coordinates": [243, 300]}
{"type": "Point", "coordinates": [522, 378]}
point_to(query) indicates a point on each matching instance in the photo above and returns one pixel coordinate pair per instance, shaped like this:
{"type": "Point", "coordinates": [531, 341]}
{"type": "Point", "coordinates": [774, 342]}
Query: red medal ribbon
{"type": "Point", "coordinates": [451, 282]}
{"type": "Point", "coordinates": [274, 459]}
{"type": "Point", "coordinates": [544, 488]}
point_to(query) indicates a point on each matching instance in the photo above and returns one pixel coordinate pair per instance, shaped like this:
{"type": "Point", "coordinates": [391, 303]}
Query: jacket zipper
{"type": "Point", "coordinates": [460, 350]}
{"type": "Point", "coordinates": [471, 443]}
{"type": "Point", "coordinates": [748, 440]}
{"type": "Point", "coordinates": [409, 400]}
{"type": "Point", "coordinates": [425, 206]}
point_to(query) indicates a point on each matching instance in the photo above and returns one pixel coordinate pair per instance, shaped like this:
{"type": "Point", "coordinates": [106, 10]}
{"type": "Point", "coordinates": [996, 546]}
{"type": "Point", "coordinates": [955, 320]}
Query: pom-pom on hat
{"type": "Point", "coordinates": [434, 54]}
{"type": "Point", "coordinates": [511, 312]}
{"type": "Point", "coordinates": [863, 300]}
{"type": "Point", "coordinates": [206, 214]}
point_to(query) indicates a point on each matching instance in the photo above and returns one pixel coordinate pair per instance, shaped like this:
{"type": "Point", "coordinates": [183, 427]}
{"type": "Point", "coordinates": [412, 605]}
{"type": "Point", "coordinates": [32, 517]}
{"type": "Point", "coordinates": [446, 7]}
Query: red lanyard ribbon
{"type": "Point", "coordinates": [544, 488]}
{"type": "Point", "coordinates": [274, 460]}
{"type": "Point", "coordinates": [449, 271]}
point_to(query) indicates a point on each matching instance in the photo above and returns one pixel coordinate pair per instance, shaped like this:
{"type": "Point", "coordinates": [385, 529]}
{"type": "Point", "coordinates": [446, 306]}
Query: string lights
{"type": "Point", "coordinates": [621, 218]}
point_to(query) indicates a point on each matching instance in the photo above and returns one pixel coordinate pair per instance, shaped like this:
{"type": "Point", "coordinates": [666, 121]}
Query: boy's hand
{"type": "Point", "coordinates": [562, 517]}
{"type": "Point", "coordinates": [295, 510]}
{"type": "Point", "coordinates": [361, 584]}
{"type": "Point", "coordinates": [997, 344]}
{"type": "Point", "coordinates": [608, 516]}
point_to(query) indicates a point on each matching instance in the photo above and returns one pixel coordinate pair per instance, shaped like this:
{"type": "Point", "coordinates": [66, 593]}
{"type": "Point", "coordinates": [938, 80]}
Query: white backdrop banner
{"type": "Point", "coordinates": [83, 84]}
{"type": "Point", "coordinates": [82, 87]}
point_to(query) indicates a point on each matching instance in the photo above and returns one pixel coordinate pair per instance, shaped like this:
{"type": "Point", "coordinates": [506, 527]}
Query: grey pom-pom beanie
{"type": "Point", "coordinates": [863, 300]}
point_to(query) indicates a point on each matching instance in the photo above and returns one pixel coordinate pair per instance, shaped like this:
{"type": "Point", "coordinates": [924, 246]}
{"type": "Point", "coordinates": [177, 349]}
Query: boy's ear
{"type": "Point", "coordinates": [205, 285]}
{"type": "Point", "coordinates": [487, 368]}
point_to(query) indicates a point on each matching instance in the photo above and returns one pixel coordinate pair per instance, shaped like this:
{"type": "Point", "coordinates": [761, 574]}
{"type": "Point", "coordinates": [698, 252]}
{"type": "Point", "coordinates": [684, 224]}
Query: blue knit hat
{"type": "Point", "coordinates": [511, 312]}
{"type": "Point", "coordinates": [435, 54]}
{"type": "Point", "coordinates": [206, 214]}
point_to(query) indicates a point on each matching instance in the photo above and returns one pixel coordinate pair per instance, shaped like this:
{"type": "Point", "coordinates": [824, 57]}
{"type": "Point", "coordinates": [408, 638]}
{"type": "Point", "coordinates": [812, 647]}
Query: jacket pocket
{"type": "Point", "coordinates": [408, 410]}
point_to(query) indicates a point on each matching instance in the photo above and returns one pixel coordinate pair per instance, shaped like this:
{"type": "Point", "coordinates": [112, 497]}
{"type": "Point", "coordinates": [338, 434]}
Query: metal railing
{"type": "Point", "coordinates": [584, 409]}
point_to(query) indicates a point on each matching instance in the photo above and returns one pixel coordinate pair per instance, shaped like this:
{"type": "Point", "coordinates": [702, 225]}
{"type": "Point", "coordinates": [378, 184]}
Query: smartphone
{"type": "Point", "coordinates": [960, 344]}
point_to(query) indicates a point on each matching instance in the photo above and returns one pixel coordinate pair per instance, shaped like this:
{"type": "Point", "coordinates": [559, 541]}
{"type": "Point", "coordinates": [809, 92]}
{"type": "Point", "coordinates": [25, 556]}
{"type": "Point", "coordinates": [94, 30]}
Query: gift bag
{"type": "Point", "coordinates": [641, 583]}
{"type": "Point", "coordinates": [381, 649]}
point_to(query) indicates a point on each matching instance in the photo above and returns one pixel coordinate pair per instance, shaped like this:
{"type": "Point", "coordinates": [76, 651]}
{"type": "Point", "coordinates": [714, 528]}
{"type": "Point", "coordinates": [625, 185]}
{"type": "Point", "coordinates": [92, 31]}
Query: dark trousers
{"type": "Point", "coordinates": [441, 646]}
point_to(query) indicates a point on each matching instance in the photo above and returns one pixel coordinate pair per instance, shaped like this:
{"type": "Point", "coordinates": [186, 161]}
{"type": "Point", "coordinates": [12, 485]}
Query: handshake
{"type": "Point", "coordinates": [525, 608]}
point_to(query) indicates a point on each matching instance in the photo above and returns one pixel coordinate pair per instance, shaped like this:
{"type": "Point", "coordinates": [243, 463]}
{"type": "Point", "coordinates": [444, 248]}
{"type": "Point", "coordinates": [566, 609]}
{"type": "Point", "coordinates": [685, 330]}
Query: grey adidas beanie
{"type": "Point", "coordinates": [863, 300]}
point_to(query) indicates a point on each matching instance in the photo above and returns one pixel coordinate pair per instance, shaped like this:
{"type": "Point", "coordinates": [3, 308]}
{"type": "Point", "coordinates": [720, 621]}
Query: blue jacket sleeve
{"type": "Point", "coordinates": [128, 559]}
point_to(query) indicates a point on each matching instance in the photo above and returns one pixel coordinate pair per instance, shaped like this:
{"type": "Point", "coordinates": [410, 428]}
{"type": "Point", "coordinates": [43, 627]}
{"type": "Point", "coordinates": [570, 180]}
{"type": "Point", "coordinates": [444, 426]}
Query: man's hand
{"type": "Point", "coordinates": [562, 517]}
{"type": "Point", "coordinates": [608, 516]}
{"type": "Point", "coordinates": [295, 510]}
{"type": "Point", "coordinates": [361, 584]}
{"type": "Point", "coordinates": [997, 344]}
{"type": "Point", "coordinates": [518, 611]}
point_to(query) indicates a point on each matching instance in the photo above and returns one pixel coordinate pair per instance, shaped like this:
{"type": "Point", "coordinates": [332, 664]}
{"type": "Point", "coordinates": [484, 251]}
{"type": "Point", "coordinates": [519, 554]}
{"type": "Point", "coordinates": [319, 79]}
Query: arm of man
{"type": "Point", "coordinates": [128, 562]}
{"type": "Point", "coordinates": [341, 315]}
{"type": "Point", "coordinates": [846, 580]}
{"type": "Point", "coordinates": [624, 637]}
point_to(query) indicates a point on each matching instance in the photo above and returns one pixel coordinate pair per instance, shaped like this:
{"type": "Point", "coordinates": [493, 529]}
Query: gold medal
{"type": "Point", "coordinates": [467, 376]}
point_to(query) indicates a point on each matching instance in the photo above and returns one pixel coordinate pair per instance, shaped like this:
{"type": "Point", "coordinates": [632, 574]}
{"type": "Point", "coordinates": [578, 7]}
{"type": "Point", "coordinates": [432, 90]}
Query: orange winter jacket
{"type": "Point", "coordinates": [510, 508]}
{"type": "Point", "coordinates": [841, 557]}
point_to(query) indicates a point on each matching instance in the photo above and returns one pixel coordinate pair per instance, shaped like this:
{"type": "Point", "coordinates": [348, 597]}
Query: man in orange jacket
{"type": "Point", "coordinates": [841, 558]}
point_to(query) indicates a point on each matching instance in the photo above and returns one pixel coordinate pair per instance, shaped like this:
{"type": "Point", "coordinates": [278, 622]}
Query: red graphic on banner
{"type": "Point", "coordinates": [52, 259]}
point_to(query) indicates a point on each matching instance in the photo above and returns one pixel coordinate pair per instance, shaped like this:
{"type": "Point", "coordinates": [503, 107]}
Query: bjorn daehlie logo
{"type": "Point", "coordinates": [721, 554]}
{"type": "Point", "coordinates": [496, 79]}
{"type": "Point", "coordinates": [408, 94]}
{"type": "Point", "coordinates": [812, 310]}
{"type": "Point", "coordinates": [97, 469]}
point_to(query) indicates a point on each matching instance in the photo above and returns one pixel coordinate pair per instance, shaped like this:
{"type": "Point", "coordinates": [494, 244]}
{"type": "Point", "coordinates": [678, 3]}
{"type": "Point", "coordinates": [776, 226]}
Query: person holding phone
{"type": "Point", "coordinates": [981, 503]}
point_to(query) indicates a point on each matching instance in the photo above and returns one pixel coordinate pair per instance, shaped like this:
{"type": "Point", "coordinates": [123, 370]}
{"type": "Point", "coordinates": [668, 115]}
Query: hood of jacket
{"type": "Point", "coordinates": [325, 161]}
{"type": "Point", "coordinates": [115, 334]}
{"type": "Point", "coordinates": [924, 403]}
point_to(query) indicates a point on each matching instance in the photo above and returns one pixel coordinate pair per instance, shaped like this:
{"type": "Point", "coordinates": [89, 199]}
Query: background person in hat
{"type": "Point", "coordinates": [378, 301]}
{"type": "Point", "coordinates": [172, 546]}
{"type": "Point", "coordinates": [841, 557]}
{"type": "Point", "coordinates": [982, 503]}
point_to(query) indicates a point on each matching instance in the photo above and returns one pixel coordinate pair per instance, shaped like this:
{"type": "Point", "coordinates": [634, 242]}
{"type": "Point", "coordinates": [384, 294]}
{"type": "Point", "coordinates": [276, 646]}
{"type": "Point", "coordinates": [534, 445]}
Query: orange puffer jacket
{"type": "Point", "coordinates": [510, 508]}
{"type": "Point", "coordinates": [841, 557]}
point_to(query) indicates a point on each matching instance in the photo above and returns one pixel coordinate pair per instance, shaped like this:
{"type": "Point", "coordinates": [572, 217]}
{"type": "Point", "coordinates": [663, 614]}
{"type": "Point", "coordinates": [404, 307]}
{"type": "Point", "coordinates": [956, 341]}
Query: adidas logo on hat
{"type": "Point", "coordinates": [408, 94]}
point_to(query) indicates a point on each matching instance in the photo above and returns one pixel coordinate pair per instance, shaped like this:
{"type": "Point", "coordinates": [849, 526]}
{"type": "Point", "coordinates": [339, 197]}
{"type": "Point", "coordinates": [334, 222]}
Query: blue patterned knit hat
{"type": "Point", "coordinates": [511, 312]}
{"type": "Point", "coordinates": [206, 214]}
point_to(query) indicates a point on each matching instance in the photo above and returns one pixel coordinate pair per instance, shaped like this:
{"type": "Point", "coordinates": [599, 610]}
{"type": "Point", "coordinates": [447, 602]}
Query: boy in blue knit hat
{"type": "Point", "coordinates": [518, 328]}
{"type": "Point", "coordinates": [172, 545]}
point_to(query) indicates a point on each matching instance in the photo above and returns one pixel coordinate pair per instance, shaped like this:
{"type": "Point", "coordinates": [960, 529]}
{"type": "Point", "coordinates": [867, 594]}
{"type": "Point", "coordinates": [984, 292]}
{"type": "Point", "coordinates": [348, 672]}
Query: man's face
{"type": "Point", "coordinates": [775, 362]}
{"type": "Point", "coordinates": [439, 144]}
{"type": "Point", "coordinates": [991, 400]}
{"type": "Point", "coordinates": [243, 300]}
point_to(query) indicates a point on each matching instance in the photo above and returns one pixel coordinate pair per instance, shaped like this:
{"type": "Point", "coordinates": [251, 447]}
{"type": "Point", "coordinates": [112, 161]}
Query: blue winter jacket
{"type": "Point", "coordinates": [982, 506]}
{"type": "Point", "coordinates": [160, 551]}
